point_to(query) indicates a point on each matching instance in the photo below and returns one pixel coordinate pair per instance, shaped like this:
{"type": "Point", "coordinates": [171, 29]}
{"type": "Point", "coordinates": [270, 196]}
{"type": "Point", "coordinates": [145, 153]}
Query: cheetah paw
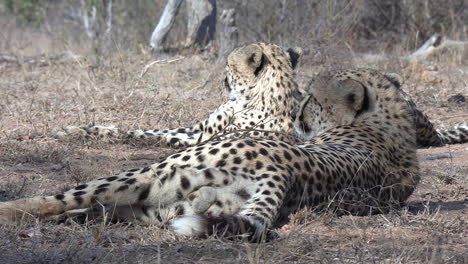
{"type": "Point", "coordinates": [202, 199]}
{"type": "Point", "coordinates": [106, 133]}
{"type": "Point", "coordinates": [140, 134]}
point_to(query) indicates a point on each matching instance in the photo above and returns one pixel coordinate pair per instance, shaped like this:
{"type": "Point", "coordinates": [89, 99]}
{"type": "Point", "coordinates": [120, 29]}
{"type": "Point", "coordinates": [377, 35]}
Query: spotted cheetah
{"type": "Point", "coordinates": [260, 93]}
{"type": "Point", "coordinates": [358, 156]}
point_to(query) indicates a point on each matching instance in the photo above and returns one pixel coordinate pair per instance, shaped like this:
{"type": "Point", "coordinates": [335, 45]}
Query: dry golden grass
{"type": "Point", "coordinates": [37, 101]}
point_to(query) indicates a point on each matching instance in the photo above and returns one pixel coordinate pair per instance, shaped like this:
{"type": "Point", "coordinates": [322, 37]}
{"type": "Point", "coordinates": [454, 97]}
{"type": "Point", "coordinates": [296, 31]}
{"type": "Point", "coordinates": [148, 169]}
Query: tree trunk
{"type": "Point", "coordinates": [201, 25]}
{"type": "Point", "coordinates": [165, 24]}
{"type": "Point", "coordinates": [108, 6]}
{"type": "Point", "coordinates": [229, 36]}
{"type": "Point", "coordinates": [89, 23]}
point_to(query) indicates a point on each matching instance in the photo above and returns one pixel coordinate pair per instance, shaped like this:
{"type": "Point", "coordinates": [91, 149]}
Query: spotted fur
{"type": "Point", "coordinates": [426, 133]}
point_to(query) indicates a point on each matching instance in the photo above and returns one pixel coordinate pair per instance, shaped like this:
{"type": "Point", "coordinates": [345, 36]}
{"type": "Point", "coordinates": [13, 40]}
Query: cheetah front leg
{"type": "Point", "coordinates": [214, 125]}
{"type": "Point", "coordinates": [175, 137]}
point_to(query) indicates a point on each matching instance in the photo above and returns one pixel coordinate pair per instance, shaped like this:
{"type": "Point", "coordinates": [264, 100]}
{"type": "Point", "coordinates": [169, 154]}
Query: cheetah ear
{"type": "Point", "coordinates": [252, 56]}
{"type": "Point", "coordinates": [394, 78]}
{"type": "Point", "coordinates": [350, 94]}
{"type": "Point", "coordinates": [294, 55]}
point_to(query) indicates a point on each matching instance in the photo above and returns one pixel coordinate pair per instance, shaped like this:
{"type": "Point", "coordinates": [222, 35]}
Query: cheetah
{"type": "Point", "coordinates": [358, 157]}
{"type": "Point", "coordinates": [260, 96]}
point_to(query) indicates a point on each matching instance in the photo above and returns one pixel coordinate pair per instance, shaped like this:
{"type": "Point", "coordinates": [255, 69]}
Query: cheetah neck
{"type": "Point", "coordinates": [275, 98]}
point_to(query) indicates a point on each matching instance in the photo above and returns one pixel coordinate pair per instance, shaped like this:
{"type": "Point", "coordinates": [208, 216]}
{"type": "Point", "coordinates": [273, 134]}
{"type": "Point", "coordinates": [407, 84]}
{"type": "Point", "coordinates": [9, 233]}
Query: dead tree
{"type": "Point", "coordinates": [201, 26]}
{"type": "Point", "coordinates": [229, 35]}
{"type": "Point", "coordinates": [96, 20]}
{"type": "Point", "coordinates": [164, 25]}
{"type": "Point", "coordinates": [89, 22]}
{"type": "Point", "coordinates": [92, 25]}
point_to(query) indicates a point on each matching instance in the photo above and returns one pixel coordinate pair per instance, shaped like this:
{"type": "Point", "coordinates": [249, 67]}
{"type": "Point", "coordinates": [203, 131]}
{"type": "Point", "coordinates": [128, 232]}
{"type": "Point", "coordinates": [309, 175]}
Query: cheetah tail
{"type": "Point", "coordinates": [456, 135]}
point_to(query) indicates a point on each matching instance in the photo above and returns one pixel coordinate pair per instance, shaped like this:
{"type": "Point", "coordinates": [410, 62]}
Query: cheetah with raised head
{"type": "Point", "coordinates": [359, 155]}
{"type": "Point", "coordinates": [261, 96]}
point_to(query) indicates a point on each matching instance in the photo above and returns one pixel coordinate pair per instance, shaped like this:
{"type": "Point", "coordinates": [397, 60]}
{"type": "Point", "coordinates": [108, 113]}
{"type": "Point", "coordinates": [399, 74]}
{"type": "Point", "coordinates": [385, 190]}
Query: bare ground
{"type": "Point", "coordinates": [38, 100]}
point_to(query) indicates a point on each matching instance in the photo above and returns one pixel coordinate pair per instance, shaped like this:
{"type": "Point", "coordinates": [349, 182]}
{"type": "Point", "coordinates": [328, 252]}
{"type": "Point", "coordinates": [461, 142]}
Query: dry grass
{"type": "Point", "coordinates": [36, 101]}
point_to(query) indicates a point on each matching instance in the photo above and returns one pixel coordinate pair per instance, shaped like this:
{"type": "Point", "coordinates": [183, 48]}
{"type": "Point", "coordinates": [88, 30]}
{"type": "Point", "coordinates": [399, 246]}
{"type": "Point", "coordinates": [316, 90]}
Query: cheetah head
{"type": "Point", "coordinates": [343, 99]}
{"type": "Point", "coordinates": [250, 67]}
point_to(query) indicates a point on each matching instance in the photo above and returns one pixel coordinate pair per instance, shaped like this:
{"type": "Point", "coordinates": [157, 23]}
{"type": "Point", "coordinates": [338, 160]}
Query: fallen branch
{"type": "Point", "coordinates": [435, 44]}
{"type": "Point", "coordinates": [42, 59]}
{"type": "Point", "coordinates": [456, 116]}
{"type": "Point", "coordinates": [146, 68]}
{"type": "Point", "coordinates": [444, 155]}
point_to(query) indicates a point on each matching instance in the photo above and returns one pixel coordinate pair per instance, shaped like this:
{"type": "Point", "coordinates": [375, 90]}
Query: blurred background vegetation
{"type": "Point", "coordinates": [360, 25]}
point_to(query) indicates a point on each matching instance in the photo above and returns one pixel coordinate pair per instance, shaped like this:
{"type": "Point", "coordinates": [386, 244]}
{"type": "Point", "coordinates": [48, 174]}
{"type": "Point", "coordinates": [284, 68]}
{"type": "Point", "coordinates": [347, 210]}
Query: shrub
{"type": "Point", "coordinates": [27, 12]}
